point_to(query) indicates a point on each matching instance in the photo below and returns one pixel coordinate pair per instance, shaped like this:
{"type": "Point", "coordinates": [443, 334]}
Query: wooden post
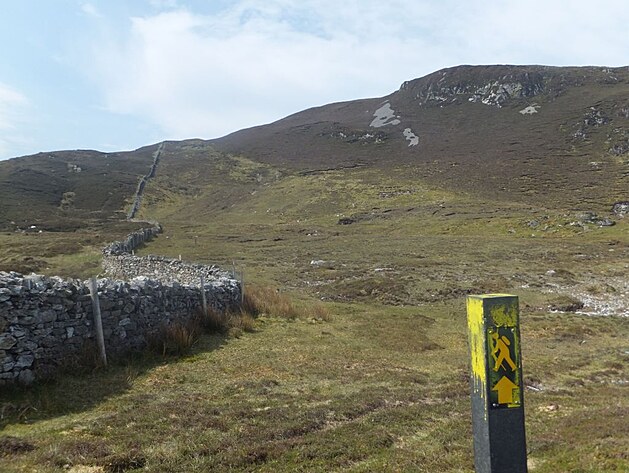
{"type": "Point", "coordinates": [497, 388]}
{"type": "Point", "coordinates": [98, 322]}
{"type": "Point", "coordinates": [203, 299]}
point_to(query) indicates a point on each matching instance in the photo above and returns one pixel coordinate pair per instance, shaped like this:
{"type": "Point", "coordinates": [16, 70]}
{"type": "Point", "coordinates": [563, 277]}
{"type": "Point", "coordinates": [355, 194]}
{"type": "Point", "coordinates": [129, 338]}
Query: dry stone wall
{"type": "Point", "coordinates": [44, 321]}
{"type": "Point", "coordinates": [137, 199]}
{"type": "Point", "coordinates": [162, 269]}
{"type": "Point", "coordinates": [133, 241]}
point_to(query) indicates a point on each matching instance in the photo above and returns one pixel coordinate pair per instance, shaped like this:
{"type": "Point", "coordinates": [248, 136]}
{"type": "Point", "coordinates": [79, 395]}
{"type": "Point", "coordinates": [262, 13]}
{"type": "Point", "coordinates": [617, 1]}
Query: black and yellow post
{"type": "Point", "coordinates": [497, 394]}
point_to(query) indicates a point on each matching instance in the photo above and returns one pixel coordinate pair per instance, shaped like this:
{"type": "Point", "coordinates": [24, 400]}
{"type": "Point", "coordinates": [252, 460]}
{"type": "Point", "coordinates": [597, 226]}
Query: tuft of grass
{"type": "Point", "coordinates": [179, 338]}
{"type": "Point", "coordinates": [212, 320]}
{"type": "Point", "coordinates": [175, 339]}
{"type": "Point", "coordinates": [10, 445]}
{"type": "Point", "coordinates": [320, 312]}
{"type": "Point", "coordinates": [268, 300]}
{"type": "Point", "coordinates": [242, 321]}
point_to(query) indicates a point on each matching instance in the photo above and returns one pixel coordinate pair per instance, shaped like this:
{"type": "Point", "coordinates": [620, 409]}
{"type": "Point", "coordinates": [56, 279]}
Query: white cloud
{"type": "Point", "coordinates": [12, 114]}
{"type": "Point", "coordinates": [258, 60]}
{"type": "Point", "coordinates": [10, 101]}
{"type": "Point", "coordinates": [90, 10]}
{"type": "Point", "coordinates": [163, 4]}
{"type": "Point", "coordinates": [207, 76]}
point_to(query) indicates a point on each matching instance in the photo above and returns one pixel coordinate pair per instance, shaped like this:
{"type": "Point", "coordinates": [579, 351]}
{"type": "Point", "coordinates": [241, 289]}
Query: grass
{"type": "Point", "coordinates": [382, 385]}
{"type": "Point", "coordinates": [64, 253]}
{"type": "Point", "coordinates": [378, 389]}
{"type": "Point", "coordinates": [179, 338]}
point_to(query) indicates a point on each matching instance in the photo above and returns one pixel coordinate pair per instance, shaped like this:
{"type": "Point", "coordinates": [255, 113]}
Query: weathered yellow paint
{"type": "Point", "coordinates": [476, 330]}
{"type": "Point", "coordinates": [505, 315]}
{"type": "Point", "coordinates": [485, 315]}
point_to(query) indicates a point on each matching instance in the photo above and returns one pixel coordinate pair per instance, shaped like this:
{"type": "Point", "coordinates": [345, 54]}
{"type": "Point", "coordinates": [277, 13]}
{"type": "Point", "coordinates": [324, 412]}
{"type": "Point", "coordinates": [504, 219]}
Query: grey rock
{"type": "Point", "coordinates": [16, 332]}
{"type": "Point", "coordinates": [26, 377]}
{"type": "Point", "coordinates": [605, 222]}
{"type": "Point", "coordinates": [24, 361]}
{"type": "Point", "coordinates": [7, 341]}
{"type": "Point", "coordinates": [48, 316]}
{"type": "Point", "coordinates": [621, 208]}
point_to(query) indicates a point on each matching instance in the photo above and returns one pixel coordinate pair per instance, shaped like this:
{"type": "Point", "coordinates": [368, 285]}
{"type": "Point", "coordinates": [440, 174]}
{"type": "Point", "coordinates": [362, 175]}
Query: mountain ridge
{"type": "Point", "coordinates": [543, 134]}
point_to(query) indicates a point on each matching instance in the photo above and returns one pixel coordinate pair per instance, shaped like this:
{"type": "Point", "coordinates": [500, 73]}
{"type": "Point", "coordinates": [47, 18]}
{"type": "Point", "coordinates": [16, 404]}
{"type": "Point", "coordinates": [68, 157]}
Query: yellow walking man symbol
{"type": "Point", "coordinates": [500, 352]}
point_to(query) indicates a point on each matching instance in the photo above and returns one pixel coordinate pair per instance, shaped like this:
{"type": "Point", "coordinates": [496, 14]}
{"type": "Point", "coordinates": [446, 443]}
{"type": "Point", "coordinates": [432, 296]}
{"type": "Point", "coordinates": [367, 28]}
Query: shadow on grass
{"type": "Point", "coordinates": [73, 391]}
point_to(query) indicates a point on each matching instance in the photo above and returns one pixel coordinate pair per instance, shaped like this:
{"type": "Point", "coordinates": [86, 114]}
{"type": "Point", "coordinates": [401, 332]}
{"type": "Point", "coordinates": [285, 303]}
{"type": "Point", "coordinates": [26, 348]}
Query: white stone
{"type": "Point", "coordinates": [411, 137]}
{"type": "Point", "coordinates": [530, 110]}
{"type": "Point", "coordinates": [385, 115]}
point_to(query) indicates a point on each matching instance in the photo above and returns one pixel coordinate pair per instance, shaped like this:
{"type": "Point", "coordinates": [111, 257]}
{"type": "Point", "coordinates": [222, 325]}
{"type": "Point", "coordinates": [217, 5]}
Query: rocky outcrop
{"type": "Point", "coordinates": [499, 85]}
{"type": "Point", "coordinates": [621, 208]}
{"type": "Point", "coordinates": [476, 84]}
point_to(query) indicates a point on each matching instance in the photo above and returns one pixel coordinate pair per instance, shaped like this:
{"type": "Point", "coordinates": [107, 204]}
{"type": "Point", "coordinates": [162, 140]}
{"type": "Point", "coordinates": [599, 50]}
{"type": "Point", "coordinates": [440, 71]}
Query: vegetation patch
{"type": "Point", "coordinates": [383, 385]}
{"type": "Point", "coordinates": [10, 446]}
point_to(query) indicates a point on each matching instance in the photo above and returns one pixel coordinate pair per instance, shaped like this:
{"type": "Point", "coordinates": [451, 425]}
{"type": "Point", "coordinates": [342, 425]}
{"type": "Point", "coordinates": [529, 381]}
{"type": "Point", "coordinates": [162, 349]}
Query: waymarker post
{"type": "Point", "coordinates": [496, 381]}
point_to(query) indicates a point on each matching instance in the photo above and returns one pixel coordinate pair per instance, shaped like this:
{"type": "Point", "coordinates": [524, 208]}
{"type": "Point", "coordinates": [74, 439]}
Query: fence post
{"type": "Point", "coordinates": [98, 322]}
{"type": "Point", "coordinates": [203, 299]}
{"type": "Point", "coordinates": [497, 388]}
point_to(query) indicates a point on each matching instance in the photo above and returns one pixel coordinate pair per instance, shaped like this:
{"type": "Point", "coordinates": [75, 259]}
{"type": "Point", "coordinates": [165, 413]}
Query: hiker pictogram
{"type": "Point", "coordinates": [500, 352]}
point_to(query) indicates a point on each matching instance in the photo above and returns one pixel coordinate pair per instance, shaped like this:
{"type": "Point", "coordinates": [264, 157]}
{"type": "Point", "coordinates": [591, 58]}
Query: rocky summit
{"type": "Point", "coordinates": [469, 127]}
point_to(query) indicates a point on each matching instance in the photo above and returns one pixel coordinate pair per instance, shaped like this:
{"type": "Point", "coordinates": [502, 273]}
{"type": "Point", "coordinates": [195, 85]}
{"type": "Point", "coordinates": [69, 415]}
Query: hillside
{"type": "Point", "coordinates": [385, 213]}
{"type": "Point", "coordinates": [532, 134]}
{"type": "Point", "coordinates": [529, 133]}
{"type": "Point", "coordinates": [69, 189]}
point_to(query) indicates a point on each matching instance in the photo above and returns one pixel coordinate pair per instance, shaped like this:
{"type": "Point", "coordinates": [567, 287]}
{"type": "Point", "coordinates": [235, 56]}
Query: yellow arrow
{"type": "Point", "coordinates": [505, 389]}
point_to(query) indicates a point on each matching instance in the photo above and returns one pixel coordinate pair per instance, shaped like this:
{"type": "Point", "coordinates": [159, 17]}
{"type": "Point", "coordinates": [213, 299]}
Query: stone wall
{"type": "Point", "coordinates": [119, 262]}
{"type": "Point", "coordinates": [161, 269]}
{"type": "Point", "coordinates": [133, 241]}
{"type": "Point", "coordinates": [44, 321]}
{"type": "Point", "coordinates": [137, 199]}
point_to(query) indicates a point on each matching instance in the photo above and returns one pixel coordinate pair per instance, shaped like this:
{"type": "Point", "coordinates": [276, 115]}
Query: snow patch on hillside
{"type": "Point", "coordinates": [411, 137]}
{"type": "Point", "coordinates": [385, 115]}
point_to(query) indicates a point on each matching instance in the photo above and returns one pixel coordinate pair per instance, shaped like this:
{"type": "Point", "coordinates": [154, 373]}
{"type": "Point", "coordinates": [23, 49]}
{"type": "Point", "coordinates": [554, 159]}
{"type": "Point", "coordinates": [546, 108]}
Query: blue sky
{"type": "Point", "coordinates": [116, 75]}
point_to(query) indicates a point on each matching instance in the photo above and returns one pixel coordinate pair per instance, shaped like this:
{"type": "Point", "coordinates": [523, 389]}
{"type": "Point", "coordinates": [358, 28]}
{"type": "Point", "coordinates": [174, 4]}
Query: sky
{"type": "Point", "coordinates": [116, 75]}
